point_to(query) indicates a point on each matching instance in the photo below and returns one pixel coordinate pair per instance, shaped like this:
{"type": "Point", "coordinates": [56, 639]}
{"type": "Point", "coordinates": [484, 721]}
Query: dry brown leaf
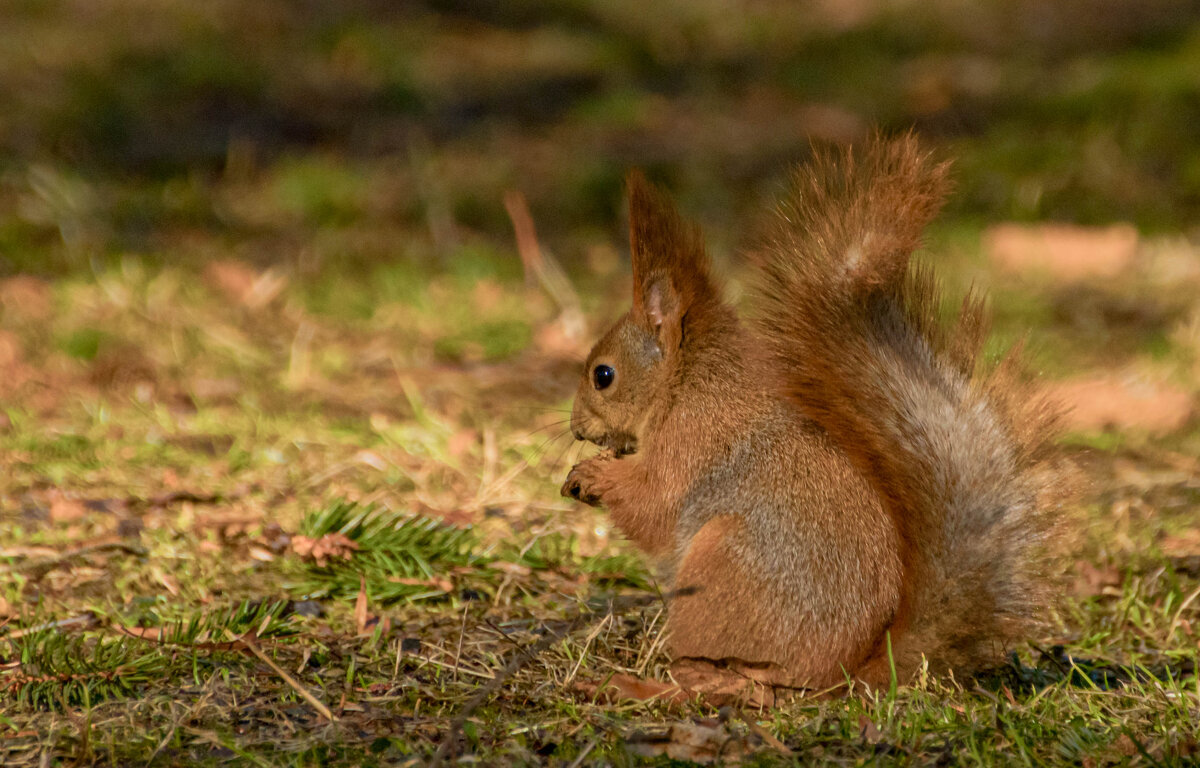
{"type": "Point", "coordinates": [700, 741]}
{"type": "Point", "coordinates": [331, 546]}
{"type": "Point", "coordinates": [620, 686]}
{"type": "Point", "coordinates": [1100, 402]}
{"type": "Point", "coordinates": [732, 681]}
{"type": "Point", "coordinates": [1062, 251]}
{"type": "Point", "coordinates": [216, 389]}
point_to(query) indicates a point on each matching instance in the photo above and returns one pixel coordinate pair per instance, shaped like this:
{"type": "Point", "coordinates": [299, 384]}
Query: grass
{"type": "Point", "coordinates": [163, 478]}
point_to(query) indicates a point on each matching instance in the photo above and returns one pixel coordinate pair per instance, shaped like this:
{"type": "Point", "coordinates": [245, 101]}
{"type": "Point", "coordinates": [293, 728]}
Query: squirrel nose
{"type": "Point", "coordinates": [578, 435]}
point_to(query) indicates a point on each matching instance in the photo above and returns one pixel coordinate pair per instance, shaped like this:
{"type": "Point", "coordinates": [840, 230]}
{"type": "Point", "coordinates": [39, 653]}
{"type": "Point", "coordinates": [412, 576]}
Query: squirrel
{"type": "Point", "coordinates": [831, 489]}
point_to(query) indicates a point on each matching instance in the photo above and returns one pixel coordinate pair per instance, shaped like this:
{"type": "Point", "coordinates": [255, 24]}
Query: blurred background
{"type": "Point", "coordinates": [298, 133]}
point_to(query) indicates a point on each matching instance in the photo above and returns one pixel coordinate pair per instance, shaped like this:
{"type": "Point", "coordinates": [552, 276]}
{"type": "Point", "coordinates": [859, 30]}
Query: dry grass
{"type": "Point", "coordinates": [178, 444]}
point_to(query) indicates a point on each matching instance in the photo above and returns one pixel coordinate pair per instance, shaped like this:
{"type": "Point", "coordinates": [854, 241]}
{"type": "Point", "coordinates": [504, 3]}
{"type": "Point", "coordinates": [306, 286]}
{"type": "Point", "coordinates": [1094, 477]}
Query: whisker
{"type": "Point", "coordinates": [551, 425]}
{"type": "Point", "coordinates": [562, 454]}
{"type": "Point", "coordinates": [537, 409]}
{"type": "Point", "coordinates": [545, 444]}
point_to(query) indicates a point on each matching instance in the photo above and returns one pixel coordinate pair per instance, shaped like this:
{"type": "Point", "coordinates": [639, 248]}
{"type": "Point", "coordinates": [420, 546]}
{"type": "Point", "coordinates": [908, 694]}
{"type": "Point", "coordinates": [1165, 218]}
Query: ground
{"type": "Point", "coordinates": [182, 449]}
{"type": "Point", "coordinates": [283, 400]}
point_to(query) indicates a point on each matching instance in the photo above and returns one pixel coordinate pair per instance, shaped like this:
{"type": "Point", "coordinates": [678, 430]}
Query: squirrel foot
{"type": "Point", "coordinates": [584, 480]}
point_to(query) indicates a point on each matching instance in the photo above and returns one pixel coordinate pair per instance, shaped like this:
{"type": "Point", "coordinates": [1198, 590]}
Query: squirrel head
{"type": "Point", "coordinates": [630, 373]}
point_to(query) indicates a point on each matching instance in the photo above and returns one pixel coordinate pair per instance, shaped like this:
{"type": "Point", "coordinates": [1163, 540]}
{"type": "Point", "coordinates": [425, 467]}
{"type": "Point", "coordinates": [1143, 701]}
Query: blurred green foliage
{"type": "Point", "coordinates": [367, 131]}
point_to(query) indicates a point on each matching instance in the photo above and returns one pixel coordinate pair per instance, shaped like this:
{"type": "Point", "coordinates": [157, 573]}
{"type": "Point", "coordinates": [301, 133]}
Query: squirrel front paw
{"type": "Point", "coordinates": [584, 480]}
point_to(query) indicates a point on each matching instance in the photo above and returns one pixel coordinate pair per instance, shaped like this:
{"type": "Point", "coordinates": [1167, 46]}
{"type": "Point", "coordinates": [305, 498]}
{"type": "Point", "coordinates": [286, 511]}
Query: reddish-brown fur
{"type": "Point", "coordinates": [834, 480]}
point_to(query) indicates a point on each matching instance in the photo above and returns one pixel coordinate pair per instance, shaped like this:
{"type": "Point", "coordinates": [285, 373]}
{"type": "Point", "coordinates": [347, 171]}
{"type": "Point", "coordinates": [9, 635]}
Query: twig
{"type": "Point", "coordinates": [579, 760]}
{"type": "Point", "coordinates": [587, 644]}
{"type": "Point", "coordinates": [82, 621]}
{"type": "Point", "coordinates": [462, 632]}
{"type": "Point", "coordinates": [304, 694]}
{"type": "Point", "coordinates": [175, 497]}
{"type": "Point", "coordinates": [444, 665]}
{"type": "Point", "coordinates": [527, 242]}
{"type": "Point", "coordinates": [540, 267]}
{"type": "Point", "coordinates": [764, 734]}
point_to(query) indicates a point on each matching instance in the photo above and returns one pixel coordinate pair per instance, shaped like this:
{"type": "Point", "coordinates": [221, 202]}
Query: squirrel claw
{"type": "Point", "coordinates": [574, 488]}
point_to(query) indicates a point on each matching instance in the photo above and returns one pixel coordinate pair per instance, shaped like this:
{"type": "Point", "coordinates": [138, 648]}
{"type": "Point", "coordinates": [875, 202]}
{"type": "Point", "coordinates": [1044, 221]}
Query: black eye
{"type": "Point", "coordinates": [602, 376]}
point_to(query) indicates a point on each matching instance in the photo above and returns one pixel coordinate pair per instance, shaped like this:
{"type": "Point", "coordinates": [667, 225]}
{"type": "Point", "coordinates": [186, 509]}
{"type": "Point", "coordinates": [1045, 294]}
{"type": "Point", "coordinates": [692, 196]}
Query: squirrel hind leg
{"type": "Point", "coordinates": [720, 612]}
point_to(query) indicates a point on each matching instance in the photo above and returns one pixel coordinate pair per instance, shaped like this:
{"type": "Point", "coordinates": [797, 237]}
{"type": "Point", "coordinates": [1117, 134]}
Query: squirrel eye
{"type": "Point", "coordinates": [602, 376]}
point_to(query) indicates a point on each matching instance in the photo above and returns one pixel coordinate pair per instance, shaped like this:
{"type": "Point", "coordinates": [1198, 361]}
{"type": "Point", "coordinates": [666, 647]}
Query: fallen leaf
{"type": "Point", "coordinates": [168, 582]}
{"type": "Point", "coordinates": [1102, 402]}
{"type": "Point", "coordinates": [1062, 251]}
{"type": "Point", "coordinates": [620, 686]}
{"type": "Point", "coordinates": [331, 546]}
{"type": "Point", "coordinates": [698, 741]}
{"type": "Point", "coordinates": [732, 681]}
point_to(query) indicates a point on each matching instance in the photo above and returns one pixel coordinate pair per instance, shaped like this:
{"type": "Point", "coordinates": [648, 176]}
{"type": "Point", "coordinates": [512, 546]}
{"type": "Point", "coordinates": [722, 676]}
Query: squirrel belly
{"type": "Point", "coordinates": [831, 489]}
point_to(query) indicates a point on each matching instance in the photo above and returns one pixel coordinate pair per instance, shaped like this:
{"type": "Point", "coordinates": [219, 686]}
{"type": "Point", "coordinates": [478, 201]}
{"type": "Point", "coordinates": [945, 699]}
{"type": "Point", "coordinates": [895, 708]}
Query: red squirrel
{"type": "Point", "coordinates": [831, 488]}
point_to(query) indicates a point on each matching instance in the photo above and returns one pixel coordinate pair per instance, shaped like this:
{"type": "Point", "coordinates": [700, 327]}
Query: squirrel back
{"type": "Point", "coordinates": [962, 462]}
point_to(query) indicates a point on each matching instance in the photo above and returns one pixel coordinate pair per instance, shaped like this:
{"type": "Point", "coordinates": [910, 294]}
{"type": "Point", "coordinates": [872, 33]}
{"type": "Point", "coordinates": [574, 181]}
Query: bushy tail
{"type": "Point", "coordinates": [961, 461]}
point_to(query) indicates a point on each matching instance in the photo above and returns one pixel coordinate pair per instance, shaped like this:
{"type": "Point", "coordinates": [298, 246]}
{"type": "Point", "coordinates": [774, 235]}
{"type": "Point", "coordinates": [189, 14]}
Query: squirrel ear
{"type": "Point", "coordinates": [662, 313]}
{"type": "Point", "coordinates": [659, 304]}
{"type": "Point", "coordinates": [670, 266]}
